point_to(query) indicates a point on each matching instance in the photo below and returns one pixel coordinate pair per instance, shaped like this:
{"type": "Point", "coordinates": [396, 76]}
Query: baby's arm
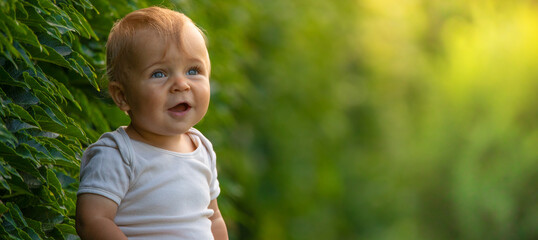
{"type": "Point", "coordinates": [218, 226]}
{"type": "Point", "coordinates": [95, 218]}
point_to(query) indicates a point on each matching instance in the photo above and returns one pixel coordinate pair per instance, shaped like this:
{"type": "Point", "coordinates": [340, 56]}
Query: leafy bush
{"type": "Point", "coordinates": [42, 133]}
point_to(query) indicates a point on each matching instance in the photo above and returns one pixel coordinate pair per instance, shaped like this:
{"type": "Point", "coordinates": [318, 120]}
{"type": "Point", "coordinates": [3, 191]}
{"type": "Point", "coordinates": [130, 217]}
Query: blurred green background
{"type": "Point", "coordinates": [365, 119]}
{"type": "Point", "coordinates": [373, 119]}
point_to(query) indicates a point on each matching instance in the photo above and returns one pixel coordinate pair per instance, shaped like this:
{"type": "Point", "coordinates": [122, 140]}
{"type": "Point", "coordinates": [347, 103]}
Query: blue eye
{"type": "Point", "coordinates": [193, 71]}
{"type": "Point", "coordinates": [158, 74]}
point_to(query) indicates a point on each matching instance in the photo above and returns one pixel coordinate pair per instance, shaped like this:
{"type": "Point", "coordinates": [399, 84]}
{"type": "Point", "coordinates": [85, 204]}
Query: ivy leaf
{"type": "Point", "coordinates": [56, 187]}
{"type": "Point", "coordinates": [45, 99]}
{"type": "Point", "coordinates": [4, 175]}
{"type": "Point", "coordinates": [83, 68]}
{"type": "Point", "coordinates": [14, 126]}
{"type": "Point", "coordinates": [8, 219]}
{"type": "Point", "coordinates": [76, 23]}
{"type": "Point", "coordinates": [36, 226]}
{"type": "Point", "coordinates": [7, 137]}
{"type": "Point", "coordinates": [22, 114]}
{"type": "Point", "coordinates": [28, 37]}
{"type": "Point", "coordinates": [43, 116]}
{"type": "Point", "coordinates": [20, 9]}
{"type": "Point", "coordinates": [66, 93]}
{"type": "Point", "coordinates": [52, 57]}
{"type": "Point", "coordinates": [60, 21]}
{"type": "Point", "coordinates": [66, 229]}
{"type": "Point", "coordinates": [8, 173]}
{"type": "Point", "coordinates": [17, 214]}
{"type": "Point", "coordinates": [87, 5]}
{"type": "Point", "coordinates": [3, 208]}
{"type": "Point", "coordinates": [6, 31]}
{"type": "Point", "coordinates": [31, 233]}
{"type": "Point", "coordinates": [23, 97]}
{"type": "Point", "coordinates": [8, 80]}
{"type": "Point", "coordinates": [13, 25]}
{"type": "Point", "coordinates": [57, 144]}
{"type": "Point", "coordinates": [23, 234]}
{"type": "Point", "coordinates": [11, 51]}
{"type": "Point", "coordinates": [44, 85]}
{"type": "Point", "coordinates": [34, 84]}
{"type": "Point", "coordinates": [23, 53]}
{"type": "Point", "coordinates": [71, 129]}
{"type": "Point", "coordinates": [81, 21]}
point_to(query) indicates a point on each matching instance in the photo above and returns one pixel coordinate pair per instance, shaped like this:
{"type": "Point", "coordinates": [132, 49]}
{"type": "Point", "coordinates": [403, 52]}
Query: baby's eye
{"type": "Point", "coordinates": [158, 74]}
{"type": "Point", "coordinates": [193, 71]}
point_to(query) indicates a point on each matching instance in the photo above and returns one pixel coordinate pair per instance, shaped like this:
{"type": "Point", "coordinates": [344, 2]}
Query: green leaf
{"type": "Point", "coordinates": [22, 114]}
{"type": "Point", "coordinates": [53, 181]}
{"type": "Point", "coordinates": [3, 208]}
{"type": "Point", "coordinates": [18, 186]}
{"type": "Point", "coordinates": [66, 93]}
{"type": "Point", "coordinates": [13, 25]}
{"type": "Point", "coordinates": [41, 86]}
{"type": "Point", "coordinates": [23, 234]}
{"type": "Point", "coordinates": [21, 96]}
{"type": "Point", "coordinates": [31, 233]}
{"type": "Point", "coordinates": [7, 173]}
{"type": "Point", "coordinates": [66, 229]}
{"type": "Point", "coordinates": [52, 57]}
{"type": "Point", "coordinates": [75, 21]}
{"type": "Point", "coordinates": [24, 55]}
{"type": "Point", "coordinates": [57, 144]}
{"type": "Point", "coordinates": [45, 99]}
{"type": "Point", "coordinates": [28, 37]}
{"type": "Point", "coordinates": [15, 126]}
{"type": "Point", "coordinates": [44, 117]}
{"type": "Point", "coordinates": [49, 32]}
{"type": "Point", "coordinates": [76, 16]}
{"type": "Point", "coordinates": [84, 68]}
{"type": "Point", "coordinates": [47, 215]}
{"type": "Point", "coordinates": [6, 31]}
{"type": "Point", "coordinates": [20, 9]}
{"type": "Point", "coordinates": [87, 5]}
{"type": "Point", "coordinates": [6, 136]}
{"type": "Point", "coordinates": [8, 80]}
{"type": "Point", "coordinates": [11, 51]}
{"type": "Point", "coordinates": [23, 151]}
{"type": "Point", "coordinates": [61, 21]}
{"type": "Point", "coordinates": [36, 226]}
{"type": "Point", "coordinates": [4, 183]}
{"type": "Point", "coordinates": [17, 214]}
{"type": "Point", "coordinates": [48, 5]}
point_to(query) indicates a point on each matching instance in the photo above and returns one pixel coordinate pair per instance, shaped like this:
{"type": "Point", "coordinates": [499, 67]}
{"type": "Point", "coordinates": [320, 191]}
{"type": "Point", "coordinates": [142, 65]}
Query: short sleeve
{"type": "Point", "coordinates": [214, 187]}
{"type": "Point", "coordinates": [104, 172]}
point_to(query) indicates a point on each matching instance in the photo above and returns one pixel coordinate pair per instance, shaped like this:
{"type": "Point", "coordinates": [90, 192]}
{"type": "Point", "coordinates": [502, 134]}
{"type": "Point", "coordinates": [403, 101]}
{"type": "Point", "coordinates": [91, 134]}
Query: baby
{"type": "Point", "coordinates": [157, 177]}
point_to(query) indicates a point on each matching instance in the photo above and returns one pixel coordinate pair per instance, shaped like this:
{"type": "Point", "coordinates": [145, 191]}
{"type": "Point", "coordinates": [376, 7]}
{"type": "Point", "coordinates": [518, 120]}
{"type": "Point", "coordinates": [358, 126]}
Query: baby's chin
{"type": "Point", "coordinates": [155, 131]}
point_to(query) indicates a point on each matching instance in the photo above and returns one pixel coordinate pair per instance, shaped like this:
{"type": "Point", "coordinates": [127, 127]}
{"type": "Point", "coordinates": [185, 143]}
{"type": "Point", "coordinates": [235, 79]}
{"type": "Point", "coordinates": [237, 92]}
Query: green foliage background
{"type": "Point", "coordinates": [360, 119]}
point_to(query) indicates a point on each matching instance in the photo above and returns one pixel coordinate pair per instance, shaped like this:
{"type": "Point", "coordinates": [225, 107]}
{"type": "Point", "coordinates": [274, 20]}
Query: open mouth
{"type": "Point", "coordinates": [180, 107]}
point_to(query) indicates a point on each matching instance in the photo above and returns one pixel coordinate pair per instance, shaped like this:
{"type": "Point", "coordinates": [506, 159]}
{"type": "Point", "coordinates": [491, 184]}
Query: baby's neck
{"type": "Point", "coordinates": [181, 143]}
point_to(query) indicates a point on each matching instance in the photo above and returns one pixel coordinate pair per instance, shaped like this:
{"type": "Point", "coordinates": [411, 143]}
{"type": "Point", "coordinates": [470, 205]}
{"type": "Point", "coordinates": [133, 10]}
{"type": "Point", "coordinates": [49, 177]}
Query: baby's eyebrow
{"type": "Point", "coordinates": [150, 65]}
{"type": "Point", "coordinates": [197, 61]}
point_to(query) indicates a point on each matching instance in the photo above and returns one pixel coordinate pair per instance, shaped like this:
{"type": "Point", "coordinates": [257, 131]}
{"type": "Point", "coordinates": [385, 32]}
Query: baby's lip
{"type": "Point", "coordinates": [180, 107]}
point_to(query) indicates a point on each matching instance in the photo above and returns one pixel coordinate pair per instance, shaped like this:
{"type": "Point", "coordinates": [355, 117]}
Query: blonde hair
{"type": "Point", "coordinates": [165, 22]}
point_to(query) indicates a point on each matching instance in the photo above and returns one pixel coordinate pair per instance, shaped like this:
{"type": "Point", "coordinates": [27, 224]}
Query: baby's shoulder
{"type": "Point", "coordinates": [110, 146]}
{"type": "Point", "coordinates": [205, 141]}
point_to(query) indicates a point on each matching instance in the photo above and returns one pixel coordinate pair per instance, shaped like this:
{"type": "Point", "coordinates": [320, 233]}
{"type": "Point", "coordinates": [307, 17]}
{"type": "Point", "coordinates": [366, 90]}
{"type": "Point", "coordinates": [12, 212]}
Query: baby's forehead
{"type": "Point", "coordinates": [182, 36]}
{"type": "Point", "coordinates": [151, 46]}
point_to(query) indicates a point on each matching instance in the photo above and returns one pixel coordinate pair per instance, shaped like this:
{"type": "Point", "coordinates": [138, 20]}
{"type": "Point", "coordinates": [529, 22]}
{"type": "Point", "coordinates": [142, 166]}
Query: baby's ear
{"type": "Point", "coordinates": [117, 93]}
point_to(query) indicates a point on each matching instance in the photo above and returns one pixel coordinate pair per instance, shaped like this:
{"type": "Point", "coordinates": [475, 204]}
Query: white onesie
{"type": "Point", "coordinates": [160, 194]}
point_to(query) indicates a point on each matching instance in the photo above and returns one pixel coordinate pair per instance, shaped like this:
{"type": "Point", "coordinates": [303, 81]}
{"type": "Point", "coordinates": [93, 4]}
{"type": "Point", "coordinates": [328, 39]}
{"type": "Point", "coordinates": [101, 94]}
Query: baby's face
{"type": "Point", "coordinates": [168, 87]}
